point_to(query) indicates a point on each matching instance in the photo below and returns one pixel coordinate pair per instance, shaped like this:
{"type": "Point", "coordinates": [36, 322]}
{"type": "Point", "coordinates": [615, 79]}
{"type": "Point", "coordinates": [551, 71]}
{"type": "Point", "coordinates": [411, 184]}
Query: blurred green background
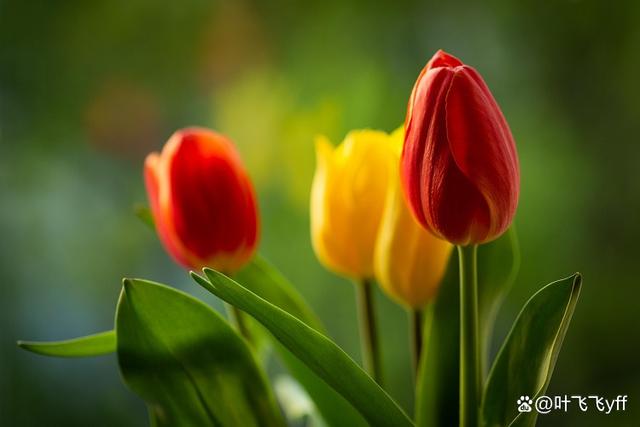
{"type": "Point", "coordinates": [88, 88]}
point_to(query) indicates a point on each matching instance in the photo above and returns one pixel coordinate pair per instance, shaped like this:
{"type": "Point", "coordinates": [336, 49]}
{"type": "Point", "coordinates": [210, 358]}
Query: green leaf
{"type": "Point", "coordinates": [528, 356]}
{"type": "Point", "coordinates": [438, 377]}
{"type": "Point", "coordinates": [437, 385]}
{"type": "Point", "coordinates": [317, 351]}
{"type": "Point", "coordinates": [264, 280]}
{"type": "Point", "coordinates": [91, 345]}
{"type": "Point", "coordinates": [498, 265]}
{"type": "Point", "coordinates": [187, 363]}
{"type": "Point", "coordinates": [268, 283]}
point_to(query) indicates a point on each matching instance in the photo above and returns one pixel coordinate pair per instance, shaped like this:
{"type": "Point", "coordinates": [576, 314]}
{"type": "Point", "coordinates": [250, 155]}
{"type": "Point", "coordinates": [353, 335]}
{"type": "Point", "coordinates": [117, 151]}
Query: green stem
{"type": "Point", "coordinates": [369, 345]}
{"type": "Point", "coordinates": [469, 355]}
{"type": "Point", "coordinates": [236, 316]}
{"type": "Point", "coordinates": [415, 327]}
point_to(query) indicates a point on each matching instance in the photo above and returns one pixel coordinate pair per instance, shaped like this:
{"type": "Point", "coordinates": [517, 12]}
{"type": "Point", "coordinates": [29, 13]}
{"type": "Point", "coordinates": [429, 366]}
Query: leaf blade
{"type": "Point", "coordinates": [261, 278]}
{"type": "Point", "coordinates": [526, 361]}
{"type": "Point", "coordinates": [318, 352]}
{"type": "Point", "coordinates": [498, 265]}
{"type": "Point", "coordinates": [88, 346]}
{"type": "Point", "coordinates": [437, 381]}
{"type": "Point", "coordinates": [186, 362]}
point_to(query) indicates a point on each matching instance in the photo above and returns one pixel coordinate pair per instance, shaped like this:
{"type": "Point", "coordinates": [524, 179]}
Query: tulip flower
{"type": "Point", "coordinates": [202, 200]}
{"type": "Point", "coordinates": [409, 260]}
{"type": "Point", "coordinates": [461, 175]}
{"type": "Point", "coordinates": [347, 201]}
{"type": "Point", "coordinates": [459, 163]}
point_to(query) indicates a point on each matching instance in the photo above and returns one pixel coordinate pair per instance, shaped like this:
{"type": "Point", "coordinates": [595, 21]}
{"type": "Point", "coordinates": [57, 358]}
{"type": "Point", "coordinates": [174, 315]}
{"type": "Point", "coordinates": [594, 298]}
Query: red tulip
{"type": "Point", "coordinates": [459, 165]}
{"type": "Point", "coordinates": [202, 201]}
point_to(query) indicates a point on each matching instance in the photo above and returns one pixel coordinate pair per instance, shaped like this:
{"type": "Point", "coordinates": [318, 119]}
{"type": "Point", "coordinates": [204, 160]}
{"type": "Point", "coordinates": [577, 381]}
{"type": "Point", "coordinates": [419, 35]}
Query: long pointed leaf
{"type": "Point", "coordinates": [437, 382]}
{"type": "Point", "coordinates": [498, 265]}
{"type": "Point", "coordinates": [528, 356]}
{"type": "Point", "coordinates": [90, 345]}
{"type": "Point", "coordinates": [265, 281]}
{"type": "Point", "coordinates": [187, 363]}
{"type": "Point", "coordinates": [261, 278]}
{"type": "Point", "coordinates": [317, 351]}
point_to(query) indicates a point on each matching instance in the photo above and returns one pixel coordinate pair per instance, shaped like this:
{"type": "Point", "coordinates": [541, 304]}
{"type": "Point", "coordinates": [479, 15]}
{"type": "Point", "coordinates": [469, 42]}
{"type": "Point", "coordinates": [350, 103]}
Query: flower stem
{"type": "Point", "coordinates": [415, 329]}
{"type": "Point", "coordinates": [236, 317]}
{"type": "Point", "coordinates": [469, 360]}
{"type": "Point", "coordinates": [369, 345]}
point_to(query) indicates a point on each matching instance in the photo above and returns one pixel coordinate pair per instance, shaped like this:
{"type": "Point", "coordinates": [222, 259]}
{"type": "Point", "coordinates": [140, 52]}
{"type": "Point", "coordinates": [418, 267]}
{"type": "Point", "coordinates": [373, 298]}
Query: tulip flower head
{"type": "Point", "coordinates": [409, 261]}
{"type": "Point", "coordinates": [347, 200]}
{"type": "Point", "coordinates": [202, 200]}
{"type": "Point", "coordinates": [459, 164]}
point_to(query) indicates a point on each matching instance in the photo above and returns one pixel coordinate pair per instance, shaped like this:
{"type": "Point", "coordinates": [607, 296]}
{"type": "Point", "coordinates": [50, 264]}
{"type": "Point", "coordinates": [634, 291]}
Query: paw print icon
{"type": "Point", "coordinates": [524, 404]}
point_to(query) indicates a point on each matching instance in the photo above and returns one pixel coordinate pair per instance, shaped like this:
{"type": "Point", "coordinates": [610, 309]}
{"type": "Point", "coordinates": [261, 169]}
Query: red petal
{"type": "Point", "coordinates": [443, 59]}
{"type": "Point", "coordinates": [457, 210]}
{"type": "Point", "coordinates": [420, 131]}
{"type": "Point", "coordinates": [482, 146]}
{"type": "Point", "coordinates": [213, 203]}
{"type": "Point", "coordinates": [152, 166]}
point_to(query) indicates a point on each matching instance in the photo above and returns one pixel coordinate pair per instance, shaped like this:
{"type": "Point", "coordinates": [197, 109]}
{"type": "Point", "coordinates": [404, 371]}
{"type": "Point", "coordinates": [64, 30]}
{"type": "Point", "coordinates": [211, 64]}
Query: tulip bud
{"type": "Point", "coordinates": [202, 200]}
{"type": "Point", "coordinates": [347, 200]}
{"type": "Point", "coordinates": [459, 163]}
{"type": "Point", "coordinates": [409, 261]}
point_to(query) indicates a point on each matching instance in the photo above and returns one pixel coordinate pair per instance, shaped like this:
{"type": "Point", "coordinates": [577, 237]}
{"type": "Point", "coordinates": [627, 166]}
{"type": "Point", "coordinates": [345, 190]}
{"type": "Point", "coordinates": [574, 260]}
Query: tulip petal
{"type": "Point", "coordinates": [482, 146]}
{"type": "Point", "coordinates": [153, 173]}
{"type": "Point", "coordinates": [457, 209]}
{"type": "Point", "coordinates": [347, 200]}
{"type": "Point", "coordinates": [326, 228]}
{"type": "Point", "coordinates": [212, 206]}
{"type": "Point", "coordinates": [443, 59]}
{"type": "Point", "coordinates": [429, 94]}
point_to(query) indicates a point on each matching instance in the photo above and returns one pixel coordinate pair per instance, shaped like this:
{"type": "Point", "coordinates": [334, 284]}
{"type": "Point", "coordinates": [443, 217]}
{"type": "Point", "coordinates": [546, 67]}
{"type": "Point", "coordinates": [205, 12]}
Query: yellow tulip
{"type": "Point", "coordinates": [347, 200]}
{"type": "Point", "coordinates": [409, 260]}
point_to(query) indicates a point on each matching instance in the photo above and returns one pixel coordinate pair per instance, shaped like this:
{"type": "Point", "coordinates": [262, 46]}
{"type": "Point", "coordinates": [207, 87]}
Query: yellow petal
{"type": "Point", "coordinates": [347, 200]}
{"type": "Point", "coordinates": [409, 261]}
